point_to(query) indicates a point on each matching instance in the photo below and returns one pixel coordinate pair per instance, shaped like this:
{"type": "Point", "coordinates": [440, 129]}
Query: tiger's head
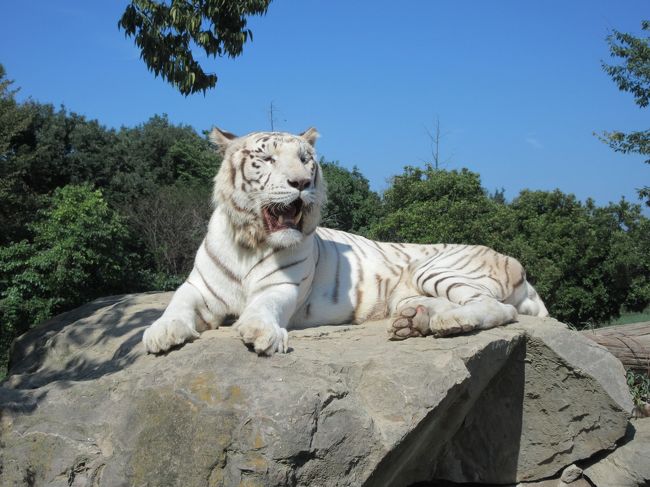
{"type": "Point", "coordinates": [270, 185]}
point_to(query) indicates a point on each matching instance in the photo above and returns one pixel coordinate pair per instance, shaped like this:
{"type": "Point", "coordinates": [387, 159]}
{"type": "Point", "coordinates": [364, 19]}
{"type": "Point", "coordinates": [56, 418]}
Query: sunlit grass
{"type": "Point", "coordinates": [627, 318]}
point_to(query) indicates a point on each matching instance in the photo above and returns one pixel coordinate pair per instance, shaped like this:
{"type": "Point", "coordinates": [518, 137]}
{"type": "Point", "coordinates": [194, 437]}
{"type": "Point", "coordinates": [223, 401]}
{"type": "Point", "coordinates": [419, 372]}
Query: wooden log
{"type": "Point", "coordinates": [629, 343]}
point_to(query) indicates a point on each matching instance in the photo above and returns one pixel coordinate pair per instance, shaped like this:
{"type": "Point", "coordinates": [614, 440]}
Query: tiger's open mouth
{"type": "Point", "coordinates": [283, 217]}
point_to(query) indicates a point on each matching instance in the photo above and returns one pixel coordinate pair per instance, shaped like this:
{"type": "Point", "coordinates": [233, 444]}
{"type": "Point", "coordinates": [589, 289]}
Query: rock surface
{"type": "Point", "coordinates": [84, 405]}
{"type": "Point", "coordinates": [571, 474]}
{"type": "Point", "coordinates": [629, 465]}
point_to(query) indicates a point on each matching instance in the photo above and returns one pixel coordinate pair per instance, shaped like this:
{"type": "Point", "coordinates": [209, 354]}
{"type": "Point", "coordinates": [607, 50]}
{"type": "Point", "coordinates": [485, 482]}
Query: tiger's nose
{"type": "Point", "coordinates": [299, 184]}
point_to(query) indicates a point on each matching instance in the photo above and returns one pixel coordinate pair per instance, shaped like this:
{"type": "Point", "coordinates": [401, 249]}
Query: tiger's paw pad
{"type": "Point", "coordinates": [412, 322]}
{"type": "Point", "coordinates": [265, 339]}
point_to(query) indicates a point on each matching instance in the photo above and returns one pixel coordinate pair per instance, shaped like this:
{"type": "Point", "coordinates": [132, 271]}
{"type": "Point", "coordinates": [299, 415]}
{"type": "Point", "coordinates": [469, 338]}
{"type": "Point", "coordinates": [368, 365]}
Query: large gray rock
{"type": "Point", "coordinates": [629, 465]}
{"type": "Point", "coordinates": [84, 405]}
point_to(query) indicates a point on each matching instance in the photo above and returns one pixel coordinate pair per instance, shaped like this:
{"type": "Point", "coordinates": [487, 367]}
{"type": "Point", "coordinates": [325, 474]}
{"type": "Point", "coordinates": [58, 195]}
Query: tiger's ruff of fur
{"type": "Point", "coordinates": [265, 260]}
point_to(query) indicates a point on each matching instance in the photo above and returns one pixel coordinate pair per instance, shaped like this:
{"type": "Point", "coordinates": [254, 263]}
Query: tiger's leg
{"type": "Point", "coordinates": [262, 324]}
{"type": "Point", "coordinates": [190, 311]}
{"type": "Point", "coordinates": [479, 314]}
{"type": "Point", "coordinates": [460, 294]}
{"type": "Point", "coordinates": [419, 316]}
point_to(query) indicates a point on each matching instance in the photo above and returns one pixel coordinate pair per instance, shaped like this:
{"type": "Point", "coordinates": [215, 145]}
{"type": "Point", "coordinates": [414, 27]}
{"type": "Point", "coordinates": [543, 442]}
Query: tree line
{"type": "Point", "coordinates": [88, 211]}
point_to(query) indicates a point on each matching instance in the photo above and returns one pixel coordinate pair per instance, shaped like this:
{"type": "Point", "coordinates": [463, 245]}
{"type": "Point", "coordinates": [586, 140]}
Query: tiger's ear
{"type": "Point", "coordinates": [221, 137]}
{"type": "Point", "coordinates": [310, 135]}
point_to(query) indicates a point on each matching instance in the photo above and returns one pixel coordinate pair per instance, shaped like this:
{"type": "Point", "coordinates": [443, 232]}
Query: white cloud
{"type": "Point", "coordinates": [534, 142]}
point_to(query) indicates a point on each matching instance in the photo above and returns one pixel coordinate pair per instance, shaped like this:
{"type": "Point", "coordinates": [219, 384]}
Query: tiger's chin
{"type": "Point", "coordinates": [282, 239]}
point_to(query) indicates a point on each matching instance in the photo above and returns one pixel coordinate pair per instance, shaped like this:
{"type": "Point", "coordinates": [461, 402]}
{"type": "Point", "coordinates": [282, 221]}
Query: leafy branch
{"type": "Point", "coordinates": [166, 32]}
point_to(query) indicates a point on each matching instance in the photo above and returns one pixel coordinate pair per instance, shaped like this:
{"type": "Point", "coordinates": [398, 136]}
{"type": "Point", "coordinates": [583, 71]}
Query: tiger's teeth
{"type": "Point", "coordinates": [298, 217]}
{"type": "Point", "coordinates": [281, 219]}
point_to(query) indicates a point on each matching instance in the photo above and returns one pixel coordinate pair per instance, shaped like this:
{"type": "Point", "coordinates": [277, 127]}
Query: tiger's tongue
{"type": "Point", "coordinates": [284, 219]}
{"type": "Point", "coordinates": [289, 213]}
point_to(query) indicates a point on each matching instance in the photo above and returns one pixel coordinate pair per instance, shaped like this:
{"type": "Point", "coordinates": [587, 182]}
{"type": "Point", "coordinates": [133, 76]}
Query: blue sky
{"type": "Point", "coordinates": [517, 86]}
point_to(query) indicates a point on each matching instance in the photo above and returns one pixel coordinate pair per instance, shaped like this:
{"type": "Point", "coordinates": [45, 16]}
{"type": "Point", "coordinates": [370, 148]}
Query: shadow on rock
{"type": "Point", "coordinates": [89, 342]}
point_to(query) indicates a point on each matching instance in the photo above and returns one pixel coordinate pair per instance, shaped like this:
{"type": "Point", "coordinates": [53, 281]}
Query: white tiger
{"type": "Point", "coordinates": [265, 260]}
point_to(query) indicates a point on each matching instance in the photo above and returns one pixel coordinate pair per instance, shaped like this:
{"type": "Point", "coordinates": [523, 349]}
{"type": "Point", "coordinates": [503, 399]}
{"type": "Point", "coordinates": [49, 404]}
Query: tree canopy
{"type": "Point", "coordinates": [166, 32]}
{"type": "Point", "coordinates": [631, 75]}
{"type": "Point", "coordinates": [351, 205]}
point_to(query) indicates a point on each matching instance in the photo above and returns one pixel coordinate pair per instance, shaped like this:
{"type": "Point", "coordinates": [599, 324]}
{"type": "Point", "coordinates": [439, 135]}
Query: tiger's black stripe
{"type": "Point", "coordinates": [266, 286]}
{"type": "Point", "coordinates": [397, 249]}
{"type": "Point", "coordinates": [270, 254]}
{"type": "Point", "coordinates": [337, 276]}
{"type": "Point", "coordinates": [212, 291]}
{"type": "Point", "coordinates": [222, 267]}
{"type": "Point", "coordinates": [284, 267]}
{"type": "Point", "coordinates": [353, 244]}
{"type": "Point", "coordinates": [202, 296]}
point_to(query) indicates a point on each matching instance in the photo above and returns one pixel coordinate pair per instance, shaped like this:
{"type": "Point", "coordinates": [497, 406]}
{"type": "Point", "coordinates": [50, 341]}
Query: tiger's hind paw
{"type": "Point", "coordinates": [412, 322]}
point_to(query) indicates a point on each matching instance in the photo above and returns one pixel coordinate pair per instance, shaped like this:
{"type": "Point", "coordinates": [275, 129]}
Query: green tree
{"type": "Point", "coordinates": [49, 150]}
{"type": "Point", "coordinates": [351, 205]}
{"type": "Point", "coordinates": [64, 243]}
{"type": "Point", "coordinates": [166, 31]}
{"type": "Point", "coordinates": [564, 250]}
{"type": "Point", "coordinates": [171, 224]}
{"type": "Point", "coordinates": [44, 149]}
{"type": "Point", "coordinates": [633, 76]}
{"type": "Point", "coordinates": [80, 251]}
{"type": "Point", "coordinates": [158, 153]}
{"type": "Point", "coordinates": [432, 205]}
{"type": "Point", "coordinates": [13, 118]}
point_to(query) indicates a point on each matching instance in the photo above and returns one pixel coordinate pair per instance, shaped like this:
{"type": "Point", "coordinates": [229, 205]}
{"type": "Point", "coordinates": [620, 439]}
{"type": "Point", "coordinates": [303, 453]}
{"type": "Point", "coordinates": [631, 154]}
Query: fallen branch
{"type": "Point", "coordinates": [629, 343]}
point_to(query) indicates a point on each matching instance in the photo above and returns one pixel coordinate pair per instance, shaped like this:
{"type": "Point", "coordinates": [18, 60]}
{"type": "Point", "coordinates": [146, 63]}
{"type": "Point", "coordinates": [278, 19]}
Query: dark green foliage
{"type": "Point", "coordinates": [585, 261]}
{"type": "Point", "coordinates": [351, 205]}
{"type": "Point", "coordinates": [156, 154]}
{"type": "Point", "coordinates": [80, 251]}
{"type": "Point", "coordinates": [433, 205]}
{"type": "Point", "coordinates": [166, 31]}
{"type": "Point", "coordinates": [15, 194]}
{"type": "Point", "coordinates": [633, 76]}
{"type": "Point", "coordinates": [14, 117]}
{"type": "Point", "coordinates": [46, 149]}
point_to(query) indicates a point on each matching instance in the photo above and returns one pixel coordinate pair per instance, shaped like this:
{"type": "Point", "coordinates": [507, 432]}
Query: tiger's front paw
{"type": "Point", "coordinates": [165, 333]}
{"type": "Point", "coordinates": [264, 338]}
